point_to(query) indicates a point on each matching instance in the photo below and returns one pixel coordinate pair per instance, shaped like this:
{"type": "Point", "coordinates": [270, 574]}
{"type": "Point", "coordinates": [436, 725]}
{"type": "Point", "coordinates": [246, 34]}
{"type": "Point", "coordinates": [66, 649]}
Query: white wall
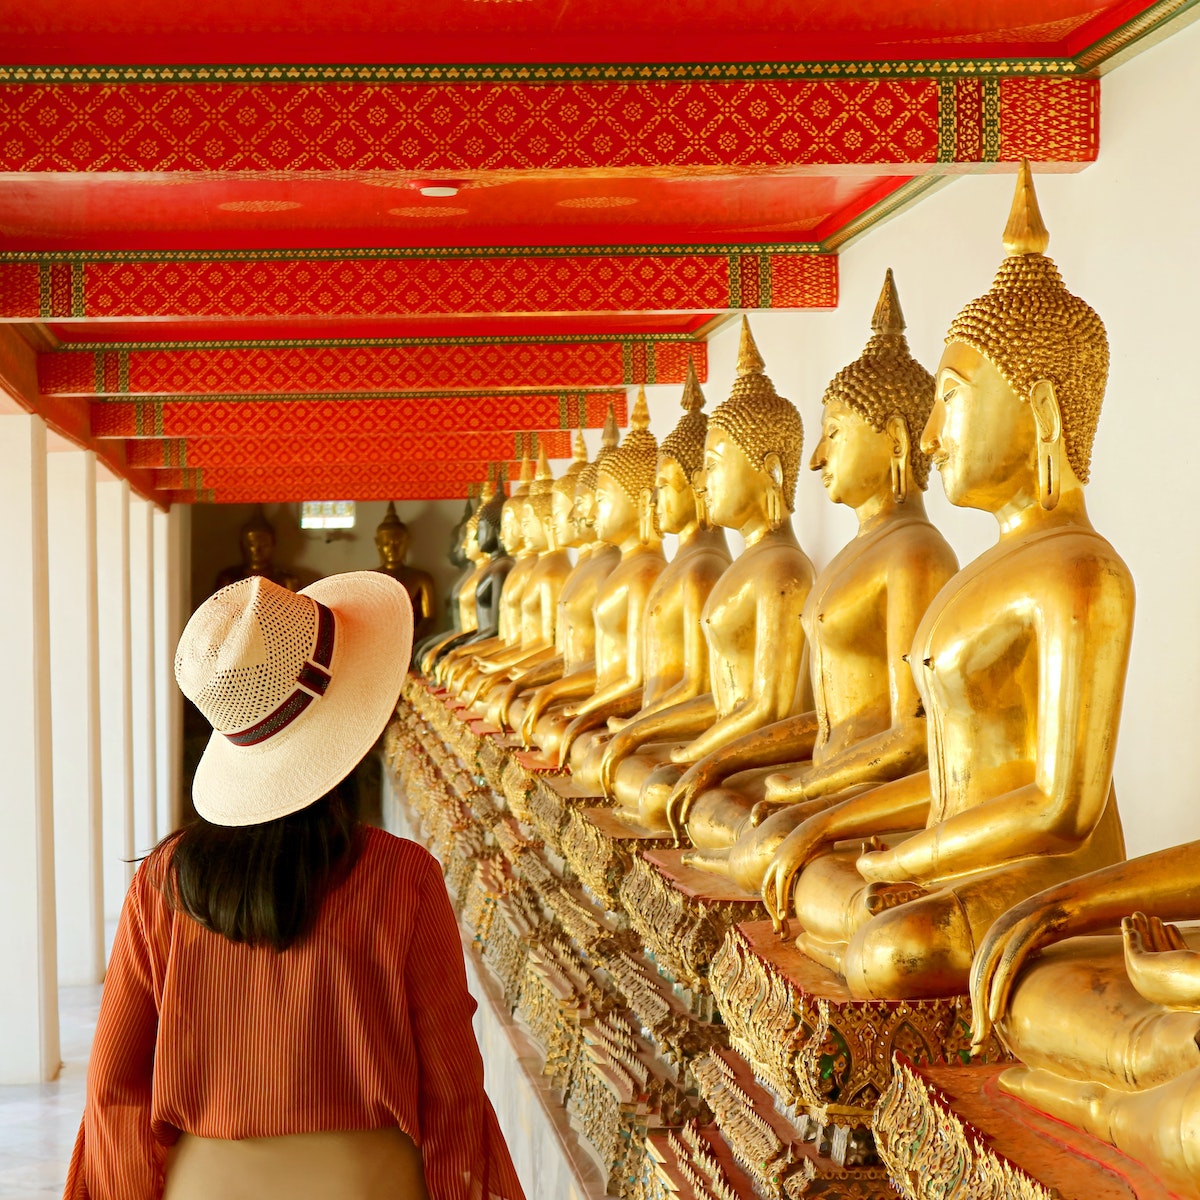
{"type": "Point", "coordinates": [1126, 237]}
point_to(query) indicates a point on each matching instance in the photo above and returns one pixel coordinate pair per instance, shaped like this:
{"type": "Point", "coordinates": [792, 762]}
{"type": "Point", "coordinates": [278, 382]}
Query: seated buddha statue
{"type": "Point", "coordinates": [675, 654]}
{"type": "Point", "coordinates": [751, 620]}
{"type": "Point", "coordinates": [1020, 662]}
{"type": "Point", "coordinates": [539, 599]}
{"type": "Point", "coordinates": [573, 510]}
{"type": "Point", "coordinates": [392, 540]}
{"type": "Point", "coordinates": [461, 665]}
{"type": "Point", "coordinates": [624, 518]}
{"type": "Point", "coordinates": [866, 724]}
{"type": "Point", "coordinates": [1107, 1026]}
{"type": "Point", "coordinates": [257, 540]}
{"type": "Point", "coordinates": [456, 603]}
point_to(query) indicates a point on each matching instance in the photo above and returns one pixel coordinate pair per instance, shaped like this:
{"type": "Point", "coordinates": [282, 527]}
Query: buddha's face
{"type": "Point", "coordinates": [392, 544]}
{"type": "Point", "coordinates": [616, 514]}
{"type": "Point", "coordinates": [510, 528]}
{"type": "Point", "coordinates": [585, 510]}
{"type": "Point", "coordinates": [562, 515]}
{"type": "Point", "coordinates": [734, 487]}
{"type": "Point", "coordinates": [470, 547]}
{"type": "Point", "coordinates": [258, 546]}
{"type": "Point", "coordinates": [674, 500]}
{"type": "Point", "coordinates": [855, 459]}
{"type": "Point", "coordinates": [532, 529]}
{"type": "Point", "coordinates": [980, 435]}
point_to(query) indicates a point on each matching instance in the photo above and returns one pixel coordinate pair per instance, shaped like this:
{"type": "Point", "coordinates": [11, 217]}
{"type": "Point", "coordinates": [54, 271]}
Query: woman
{"type": "Point", "coordinates": [286, 1010]}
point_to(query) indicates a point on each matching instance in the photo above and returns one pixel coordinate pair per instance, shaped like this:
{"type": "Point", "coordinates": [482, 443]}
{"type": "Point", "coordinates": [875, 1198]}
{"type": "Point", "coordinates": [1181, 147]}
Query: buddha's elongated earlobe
{"type": "Point", "coordinates": [1048, 419]}
{"type": "Point", "coordinates": [897, 429]}
{"type": "Point", "coordinates": [776, 509]}
{"type": "Point", "coordinates": [699, 481]}
{"type": "Point", "coordinates": [646, 516]}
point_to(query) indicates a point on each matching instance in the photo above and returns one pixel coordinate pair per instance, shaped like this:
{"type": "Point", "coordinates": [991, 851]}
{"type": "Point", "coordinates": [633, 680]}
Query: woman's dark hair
{"type": "Point", "coordinates": [263, 884]}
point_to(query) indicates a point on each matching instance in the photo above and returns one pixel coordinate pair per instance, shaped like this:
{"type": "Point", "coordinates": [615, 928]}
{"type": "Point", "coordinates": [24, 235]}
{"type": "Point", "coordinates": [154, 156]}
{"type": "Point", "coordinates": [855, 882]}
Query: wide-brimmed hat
{"type": "Point", "coordinates": [296, 685]}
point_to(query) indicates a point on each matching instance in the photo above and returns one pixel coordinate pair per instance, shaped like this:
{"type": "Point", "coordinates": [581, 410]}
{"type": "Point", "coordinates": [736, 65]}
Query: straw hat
{"type": "Point", "coordinates": [296, 685]}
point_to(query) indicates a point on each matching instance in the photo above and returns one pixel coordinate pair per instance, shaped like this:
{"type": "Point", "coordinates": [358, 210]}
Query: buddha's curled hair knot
{"type": "Point", "coordinates": [685, 443]}
{"type": "Point", "coordinates": [633, 466]}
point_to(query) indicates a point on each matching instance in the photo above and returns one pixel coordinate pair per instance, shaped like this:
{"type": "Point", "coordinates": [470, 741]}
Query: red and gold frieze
{"type": "Point", "coordinates": [331, 447]}
{"type": "Point", "coordinates": [392, 417]}
{"type": "Point", "coordinates": [341, 367]}
{"type": "Point", "coordinates": [394, 283]}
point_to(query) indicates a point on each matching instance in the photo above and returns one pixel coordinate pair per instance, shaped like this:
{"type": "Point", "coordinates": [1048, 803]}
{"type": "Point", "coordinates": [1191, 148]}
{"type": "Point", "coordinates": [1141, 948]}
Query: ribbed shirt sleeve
{"type": "Point", "coordinates": [116, 1155]}
{"type": "Point", "coordinates": [464, 1152]}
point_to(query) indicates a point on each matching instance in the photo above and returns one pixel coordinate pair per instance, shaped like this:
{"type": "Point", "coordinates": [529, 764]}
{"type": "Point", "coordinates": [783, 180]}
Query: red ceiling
{"type": "Point", "coordinates": [574, 31]}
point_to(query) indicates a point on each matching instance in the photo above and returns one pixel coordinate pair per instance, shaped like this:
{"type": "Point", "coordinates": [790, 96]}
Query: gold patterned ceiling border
{"type": "Point", "coordinates": [1124, 36]}
{"type": "Point", "coordinates": [387, 342]}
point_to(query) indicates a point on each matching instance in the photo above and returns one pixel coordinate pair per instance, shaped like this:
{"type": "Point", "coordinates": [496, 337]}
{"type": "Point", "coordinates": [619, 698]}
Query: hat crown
{"type": "Point", "coordinates": [243, 650]}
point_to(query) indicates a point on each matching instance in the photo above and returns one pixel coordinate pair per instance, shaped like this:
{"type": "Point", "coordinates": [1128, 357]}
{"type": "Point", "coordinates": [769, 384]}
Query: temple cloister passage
{"type": "Point", "coordinates": [433, 259]}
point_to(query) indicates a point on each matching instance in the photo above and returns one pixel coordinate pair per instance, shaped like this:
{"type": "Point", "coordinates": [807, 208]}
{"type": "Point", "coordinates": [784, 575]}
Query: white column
{"type": "Point", "coordinates": [141, 624]}
{"type": "Point", "coordinates": [75, 705]}
{"type": "Point", "coordinates": [168, 625]}
{"type": "Point", "coordinates": [29, 1050]}
{"type": "Point", "coordinates": [116, 711]}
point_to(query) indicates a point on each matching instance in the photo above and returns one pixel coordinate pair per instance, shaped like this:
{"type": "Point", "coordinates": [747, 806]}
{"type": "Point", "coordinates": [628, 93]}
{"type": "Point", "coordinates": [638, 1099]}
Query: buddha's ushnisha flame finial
{"type": "Point", "coordinates": [390, 518]}
{"type": "Point", "coordinates": [692, 399]}
{"type": "Point", "coordinates": [611, 435]}
{"type": "Point", "coordinates": [888, 318]}
{"type": "Point", "coordinates": [1026, 232]}
{"type": "Point", "coordinates": [543, 462]}
{"type": "Point", "coordinates": [749, 361]}
{"type": "Point", "coordinates": [488, 490]}
{"type": "Point", "coordinates": [640, 417]}
{"type": "Point", "coordinates": [526, 475]}
{"type": "Point", "coordinates": [579, 448]}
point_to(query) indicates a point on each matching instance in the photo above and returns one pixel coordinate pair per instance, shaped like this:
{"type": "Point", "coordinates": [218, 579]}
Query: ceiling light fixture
{"type": "Point", "coordinates": [437, 188]}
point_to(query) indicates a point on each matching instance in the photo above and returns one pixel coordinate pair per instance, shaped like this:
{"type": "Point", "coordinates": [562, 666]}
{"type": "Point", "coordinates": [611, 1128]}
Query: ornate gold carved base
{"type": "Point", "coordinates": [692, 1163]}
{"type": "Point", "coordinates": [600, 849]}
{"type": "Point", "coordinates": [683, 915]}
{"type": "Point", "coordinates": [820, 1050]}
{"type": "Point", "coordinates": [952, 1134]}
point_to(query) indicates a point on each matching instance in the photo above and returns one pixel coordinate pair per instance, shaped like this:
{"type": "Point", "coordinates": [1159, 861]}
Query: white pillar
{"type": "Point", "coordinates": [75, 705]}
{"type": "Point", "coordinates": [168, 625]}
{"type": "Point", "coordinates": [141, 619]}
{"type": "Point", "coordinates": [29, 1050]}
{"type": "Point", "coordinates": [116, 711]}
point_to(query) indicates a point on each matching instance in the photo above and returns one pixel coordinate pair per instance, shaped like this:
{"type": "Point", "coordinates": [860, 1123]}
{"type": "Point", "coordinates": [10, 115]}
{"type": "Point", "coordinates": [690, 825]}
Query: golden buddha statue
{"type": "Point", "coordinates": [1020, 662]}
{"type": "Point", "coordinates": [624, 518]}
{"type": "Point", "coordinates": [675, 654]}
{"type": "Point", "coordinates": [257, 540]}
{"type": "Point", "coordinates": [751, 461]}
{"type": "Point", "coordinates": [392, 540]}
{"type": "Point", "coordinates": [573, 509]}
{"type": "Point", "coordinates": [866, 724]}
{"type": "Point", "coordinates": [460, 664]}
{"type": "Point", "coordinates": [1107, 1027]}
{"type": "Point", "coordinates": [539, 599]}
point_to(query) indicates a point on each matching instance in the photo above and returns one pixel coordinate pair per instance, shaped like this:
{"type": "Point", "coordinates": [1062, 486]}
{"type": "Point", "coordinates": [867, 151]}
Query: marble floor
{"type": "Point", "coordinates": [38, 1123]}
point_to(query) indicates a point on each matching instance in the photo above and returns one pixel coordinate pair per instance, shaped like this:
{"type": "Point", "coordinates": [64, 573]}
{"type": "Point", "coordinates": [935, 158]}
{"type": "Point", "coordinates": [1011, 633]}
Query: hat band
{"type": "Point", "coordinates": [313, 680]}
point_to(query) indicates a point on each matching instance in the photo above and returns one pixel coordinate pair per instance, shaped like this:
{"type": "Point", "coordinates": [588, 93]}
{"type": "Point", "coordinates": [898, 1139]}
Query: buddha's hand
{"type": "Point", "coordinates": [1012, 940]}
{"type": "Point", "coordinates": [1162, 967]}
{"type": "Point", "coordinates": [615, 753]}
{"type": "Point", "coordinates": [786, 787]}
{"type": "Point", "coordinates": [698, 778]}
{"type": "Point", "coordinates": [795, 852]}
{"type": "Point", "coordinates": [529, 721]}
{"type": "Point", "coordinates": [766, 808]}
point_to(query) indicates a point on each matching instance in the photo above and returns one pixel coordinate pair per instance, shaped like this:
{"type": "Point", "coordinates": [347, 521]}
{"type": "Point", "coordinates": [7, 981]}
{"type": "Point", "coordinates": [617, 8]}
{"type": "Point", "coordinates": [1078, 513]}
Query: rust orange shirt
{"type": "Point", "coordinates": [364, 1024]}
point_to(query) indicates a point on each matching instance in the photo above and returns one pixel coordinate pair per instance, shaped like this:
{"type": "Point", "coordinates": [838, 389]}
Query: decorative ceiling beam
{"type": "Point", "coordinates": [475, 281]}
{"type": "Point", "coordinates": [364, 367]}
{"type": "Point", "coordinates": [390, 417]}
{"type": "Point", "coordinates": [346, 449]}
{"type": "Point", "coordinates": [504, 123]}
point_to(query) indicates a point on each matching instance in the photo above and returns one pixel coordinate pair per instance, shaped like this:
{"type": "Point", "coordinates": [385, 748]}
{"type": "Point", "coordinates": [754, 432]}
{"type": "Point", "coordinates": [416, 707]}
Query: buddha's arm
{"type": "Point", "coordinates": [619, 706]}
{"type": "Point", "coordinates": [778, 661]}
{"type": "Point", "coordinates": [1083, 651]}
{"type": "Point", "coordinates": [423, 599]}
{"type": "Point", "coordinates": [569, 687]}
{"type": "Point", "coordinates": [669, 724]}
{"type": "Point", "coordinates": [544, 653]}
{"type": "Point", "coordinates": [630, 680]}
{"type": "Point", "coordinates": [694, 680]}
{"type": "Point", "coordinates": [783, 741]}
{"type": "Point", "coordinates": [890, 808]}
{"type": "Point", "coordinates": [1165, 884]}
{"type": "Point", "coordinates": [546, 670]}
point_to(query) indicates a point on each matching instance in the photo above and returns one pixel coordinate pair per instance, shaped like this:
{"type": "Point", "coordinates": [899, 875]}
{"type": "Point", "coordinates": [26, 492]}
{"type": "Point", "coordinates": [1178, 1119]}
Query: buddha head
{"type": "Point", "coordinates": [874, 412]}
{"type": "Point", "coordinates": [488, 519]}
{"type": "Point", "coordinates": [566, 528]}
{"type": "Point", "coordinates": [511, 532]}
{"type": "Point", "coordinates": [471, 549]}
{"type": "Point", "coordinates": [625, 482]}
{"type": "Point", "coordinates": [535, 512]}
{"type": "Point", "coordinates": [585, 485]}
{"type": "Point", "coordinates": [681, 461]}
{"type": "Point", "coordinates": [1021, 380]}
{"type": "Point", "coordinates": [257, 540]}
{"type": "Point", "coordinates": [458, 554]}
{"type": "Point", "coordinates": [392, 540]}
{"type": "Point", "coordinates": [752, 449]}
